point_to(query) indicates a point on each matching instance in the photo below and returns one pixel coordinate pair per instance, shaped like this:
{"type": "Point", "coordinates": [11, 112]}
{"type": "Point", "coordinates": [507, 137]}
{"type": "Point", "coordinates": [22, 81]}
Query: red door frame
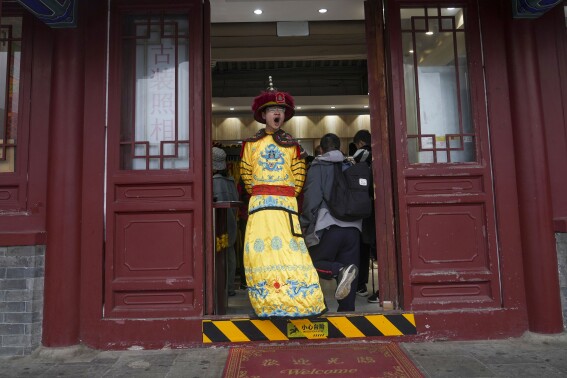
{"type": "Point", "coordinates": [112, 334]}
{"type": "Point", "coordinates": [141, 201]}
{"type": "Point", "coordinates": [96, 330]}
{"type": "Point", "coordinates": [208, 175]}
{"type": "Point", "coordinates": [430, 195]}
{"type": "Point", "coordinates": [24, 190]}
{"type": "Point", "coordinates": [382, 164]}
{"type": "Point", "coordinates": [510, 319]}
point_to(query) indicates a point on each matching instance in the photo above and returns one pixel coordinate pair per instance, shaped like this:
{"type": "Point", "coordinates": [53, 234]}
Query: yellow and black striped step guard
{"type": "Point", "coordinates": [331, 327]}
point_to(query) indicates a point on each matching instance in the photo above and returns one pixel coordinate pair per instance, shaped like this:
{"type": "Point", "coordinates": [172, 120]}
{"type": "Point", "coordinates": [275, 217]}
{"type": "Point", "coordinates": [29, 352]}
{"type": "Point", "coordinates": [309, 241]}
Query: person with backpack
{"type": "Point", "coordinates": [334, 244]}
{"type": "Point", "coordinates": [362, 141]}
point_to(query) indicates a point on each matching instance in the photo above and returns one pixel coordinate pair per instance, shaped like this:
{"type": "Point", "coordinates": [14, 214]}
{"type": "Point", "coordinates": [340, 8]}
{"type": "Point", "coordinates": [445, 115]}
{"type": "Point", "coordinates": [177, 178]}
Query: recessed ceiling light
{"type": "Point", "coordinates": [365, 106]}
{"type": "Point", "coordinates": [411, 51]}
{"type": "Point", "coordinates": [429, 32]}
{"type": "Point", "coordinates": [231, 108]}
{"type": "Point", "coordinates": [322, 10]}
{"type": "Point", "coordinates": [450, 8]}
{"type": "Point", "coordinates": [298, 107]}
{"type": "Point", "coordinates": [257, 11]}
{"type": "Point", "coordinates": [332, 107]}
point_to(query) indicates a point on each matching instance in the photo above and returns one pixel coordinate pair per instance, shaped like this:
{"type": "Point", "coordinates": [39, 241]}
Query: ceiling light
{"type": "Point", "coordinates": [231, 108]}
{"type": "Point", "coordinates": [322, 10]}
{"type": "Point", "coordinates": [450, 8]}
{"type": "Point", "coordinates": [332, 107]}
{"type": "Point", "coordinates": [429, 32]}
{"type": "Point", "coordinates": [411, 51]}
{"type": "Point", "coordinates": [257, 11]}
{"type": "Point", "coordinates": [365, 106]}
{"type": "Point", "coordinates": [298, 107]}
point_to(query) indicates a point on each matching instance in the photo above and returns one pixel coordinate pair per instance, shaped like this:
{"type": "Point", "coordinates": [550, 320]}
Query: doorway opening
{"type": "Point", "coordinates": [326, 72]}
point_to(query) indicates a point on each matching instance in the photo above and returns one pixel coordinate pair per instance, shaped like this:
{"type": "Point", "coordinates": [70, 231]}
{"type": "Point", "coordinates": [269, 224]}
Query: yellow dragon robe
{"type": "Point", "coordinates": [281, 279]}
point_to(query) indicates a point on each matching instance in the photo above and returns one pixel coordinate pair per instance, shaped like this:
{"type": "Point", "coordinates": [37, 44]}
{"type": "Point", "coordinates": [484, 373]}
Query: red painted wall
{"type": "Point", "coordinates": [533, 176]}
{"type": "Point", "coordinates": [551, 33]}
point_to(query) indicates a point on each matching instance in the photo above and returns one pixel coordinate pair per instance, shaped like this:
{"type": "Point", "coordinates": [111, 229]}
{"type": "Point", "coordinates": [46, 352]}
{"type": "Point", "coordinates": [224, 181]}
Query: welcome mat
{"type": "Point", "coordinates": [346, 360]}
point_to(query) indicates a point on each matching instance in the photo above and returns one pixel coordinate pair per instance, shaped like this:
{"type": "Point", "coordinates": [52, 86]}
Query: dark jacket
{"type": "Point", "coordinates": [315, 216]}
{"type": "Point", "coordinates": [368, 224]}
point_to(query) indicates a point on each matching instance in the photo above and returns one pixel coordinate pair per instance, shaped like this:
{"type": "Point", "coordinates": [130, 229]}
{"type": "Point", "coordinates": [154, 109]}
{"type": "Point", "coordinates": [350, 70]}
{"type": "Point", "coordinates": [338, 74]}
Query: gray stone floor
{"type": "Point", "coordinates": [529, 356]}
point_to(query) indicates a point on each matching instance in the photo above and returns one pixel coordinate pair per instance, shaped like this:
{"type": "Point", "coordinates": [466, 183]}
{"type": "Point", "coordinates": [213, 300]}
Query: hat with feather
{"type": "Point", "coordinates": [273, 97]}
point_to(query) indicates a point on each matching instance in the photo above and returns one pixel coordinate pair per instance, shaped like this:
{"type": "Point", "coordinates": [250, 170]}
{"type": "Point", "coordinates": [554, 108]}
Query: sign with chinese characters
{"type": "Point", "coordinates": [307, 329]}
{"type": "Point", "coordinates": [161, 94]}
{"type": "Point", "coordinates": [357, 360]}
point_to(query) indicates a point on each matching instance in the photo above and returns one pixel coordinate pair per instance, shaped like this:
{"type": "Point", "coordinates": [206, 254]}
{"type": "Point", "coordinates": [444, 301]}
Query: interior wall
{"type": "Point", "coordinates": [226, 128]}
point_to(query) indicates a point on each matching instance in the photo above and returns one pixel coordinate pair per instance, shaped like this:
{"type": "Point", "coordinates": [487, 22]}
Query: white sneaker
{"type": "Point", "coordinates": [344, 280]}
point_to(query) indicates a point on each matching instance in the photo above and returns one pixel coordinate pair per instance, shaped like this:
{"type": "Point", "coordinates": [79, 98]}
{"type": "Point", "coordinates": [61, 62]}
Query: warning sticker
{"type": "Point", "coordinates": [307, 329]}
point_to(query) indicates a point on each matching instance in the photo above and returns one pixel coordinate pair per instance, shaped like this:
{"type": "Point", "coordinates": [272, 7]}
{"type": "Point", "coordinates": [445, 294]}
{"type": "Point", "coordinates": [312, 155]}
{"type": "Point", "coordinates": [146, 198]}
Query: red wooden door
{"type": "Point", "coordinates": [154, 178]}
{"type": "Point", "coordinates": [447, 233]}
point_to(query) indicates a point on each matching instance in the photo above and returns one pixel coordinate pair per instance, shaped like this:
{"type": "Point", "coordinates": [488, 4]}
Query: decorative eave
{"type": "Point", "coordinates": [63, 13]}
{"type": "Point", "coordinates": [532, 8]}
{"type": "Point", "coordinates": [54, 13]}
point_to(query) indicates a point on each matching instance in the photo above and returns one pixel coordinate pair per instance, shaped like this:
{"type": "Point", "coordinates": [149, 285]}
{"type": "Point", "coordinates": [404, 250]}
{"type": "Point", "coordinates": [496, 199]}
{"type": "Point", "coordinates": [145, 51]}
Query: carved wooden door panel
{"type": "Point", "coordinates": [447, 233]}
{"type": "Point", "coordinates": [154, 196]}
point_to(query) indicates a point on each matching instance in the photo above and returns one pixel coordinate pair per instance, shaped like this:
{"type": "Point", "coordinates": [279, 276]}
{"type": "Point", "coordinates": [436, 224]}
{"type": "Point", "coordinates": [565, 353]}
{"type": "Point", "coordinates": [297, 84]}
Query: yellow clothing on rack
{"type": "Point", "coordinates": [281, 279]}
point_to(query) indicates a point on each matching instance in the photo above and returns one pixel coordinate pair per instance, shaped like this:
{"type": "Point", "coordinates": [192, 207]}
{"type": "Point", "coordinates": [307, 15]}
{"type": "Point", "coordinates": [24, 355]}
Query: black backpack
{"type": "Point", "coordinates": [350, 196]}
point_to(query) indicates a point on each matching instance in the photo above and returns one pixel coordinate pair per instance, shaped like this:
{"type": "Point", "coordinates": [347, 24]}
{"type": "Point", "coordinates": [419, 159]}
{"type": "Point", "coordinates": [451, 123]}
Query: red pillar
{"type": "Point", "coordinates": [534, 189]}
{"type": "Point", "coordinates": [62, 264]}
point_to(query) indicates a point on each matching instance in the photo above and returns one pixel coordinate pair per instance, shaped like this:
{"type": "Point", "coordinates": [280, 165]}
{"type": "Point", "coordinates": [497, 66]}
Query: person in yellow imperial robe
{"type": "Point", "coordinates": [281, 278]}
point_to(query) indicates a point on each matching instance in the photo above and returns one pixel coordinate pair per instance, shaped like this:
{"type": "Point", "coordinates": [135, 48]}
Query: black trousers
{"type": "Point", "coordinates": [338, 247]}
{"type": "Point", "coordinates": [366, 251]}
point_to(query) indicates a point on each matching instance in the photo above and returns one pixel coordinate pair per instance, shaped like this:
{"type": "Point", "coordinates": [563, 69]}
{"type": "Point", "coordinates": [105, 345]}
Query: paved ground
{"type": "Point", "coordinates": [530, 356]}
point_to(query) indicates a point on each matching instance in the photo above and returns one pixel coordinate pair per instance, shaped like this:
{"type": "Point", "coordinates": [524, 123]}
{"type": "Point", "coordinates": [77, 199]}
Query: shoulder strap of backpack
{"type": "Point", "coordinates": [337, 170]}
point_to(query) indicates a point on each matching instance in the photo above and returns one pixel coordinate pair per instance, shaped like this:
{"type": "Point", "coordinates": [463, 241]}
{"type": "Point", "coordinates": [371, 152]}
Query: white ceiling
{"type": "Point", "coordinates": [285, 10]}
{"type": "Point", "coordinates": [238, 11]}
{"type": "Point", "coordinates": [304, 105]}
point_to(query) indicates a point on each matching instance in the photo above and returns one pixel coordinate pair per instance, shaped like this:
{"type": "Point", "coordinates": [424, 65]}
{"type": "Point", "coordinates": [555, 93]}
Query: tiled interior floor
{"type": "Point", "coordinates": [240, 305]}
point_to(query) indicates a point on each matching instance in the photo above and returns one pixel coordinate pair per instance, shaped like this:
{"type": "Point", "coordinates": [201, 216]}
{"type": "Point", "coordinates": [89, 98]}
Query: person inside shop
{"type": "Point", "coordinates": [352, 148]}
{"type": "Point", "coordinates": [281, 278]}
{"type": "Point", "coordinates": [224, 189]}
{"type": "Point", "coordinates": [308, 160]}
{"type": "Point", "coordinates": [362, 141]}
{"type": "Point", "coordinates": [334, 245]}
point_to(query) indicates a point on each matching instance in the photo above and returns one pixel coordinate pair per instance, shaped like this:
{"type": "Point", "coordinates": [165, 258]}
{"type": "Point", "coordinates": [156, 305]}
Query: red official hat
{"type": "Point", "coordinates": [273, 97]}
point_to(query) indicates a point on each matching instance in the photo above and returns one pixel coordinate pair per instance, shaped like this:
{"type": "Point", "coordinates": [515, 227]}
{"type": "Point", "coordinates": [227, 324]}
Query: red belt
{"type": "Point", "coordinates": [278, 190]}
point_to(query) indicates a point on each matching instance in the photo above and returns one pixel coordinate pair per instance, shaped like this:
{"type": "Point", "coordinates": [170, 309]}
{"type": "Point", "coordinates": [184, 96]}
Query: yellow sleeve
{"type": "Point", "coordinates": [246, 167]}
{"type": "Point", "coordinates": [298, 170]}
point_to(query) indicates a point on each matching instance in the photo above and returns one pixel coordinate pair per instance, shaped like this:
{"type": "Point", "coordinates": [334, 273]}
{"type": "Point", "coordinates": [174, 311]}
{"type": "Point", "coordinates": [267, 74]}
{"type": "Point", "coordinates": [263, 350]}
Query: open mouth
{"type": "Point", "coordinates": [276, 119]}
